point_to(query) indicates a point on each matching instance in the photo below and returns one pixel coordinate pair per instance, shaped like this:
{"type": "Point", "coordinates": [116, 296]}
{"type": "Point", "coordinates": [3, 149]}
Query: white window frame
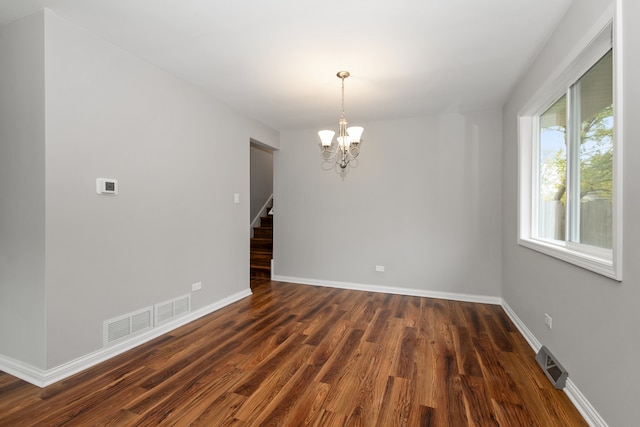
{"type": "Point", "coordinates": [607, 262]}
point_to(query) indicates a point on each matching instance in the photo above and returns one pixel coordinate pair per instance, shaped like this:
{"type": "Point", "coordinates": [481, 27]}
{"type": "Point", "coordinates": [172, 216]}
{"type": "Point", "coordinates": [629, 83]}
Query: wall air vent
{"type": "Point", "coordinates": [141, 321]}
{"type": "Point", "coordinates": [129, 324]}
{"type": "Point", "coordinates": [552, 368]}
{"type": "Point", "coordinates": [118, 329]}
{"type": "Point", "coordinates": [170, 309]}
{"type": "Point", "coordinates": [164, 312]}
{"type": "Point", "coordinates": [181, 306]}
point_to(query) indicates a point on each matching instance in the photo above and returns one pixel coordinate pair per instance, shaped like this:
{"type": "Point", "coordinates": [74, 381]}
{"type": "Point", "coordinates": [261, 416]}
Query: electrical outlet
{"type": "Point", "coordinates": [380, 268]}
{"type": "Point", "coordinates": [548, 321]}
{"type": "Point", "coordinates": [196, 286]}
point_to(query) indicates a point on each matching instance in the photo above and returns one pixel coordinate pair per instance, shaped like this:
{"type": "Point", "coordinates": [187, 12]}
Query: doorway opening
{"type": "Point", "coordinates": [261, 210]}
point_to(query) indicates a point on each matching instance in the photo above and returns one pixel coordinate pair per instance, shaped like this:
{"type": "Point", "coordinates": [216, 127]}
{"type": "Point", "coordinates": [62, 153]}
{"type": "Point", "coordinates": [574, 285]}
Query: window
{"type": "Point", "coordinates": [569, 199]}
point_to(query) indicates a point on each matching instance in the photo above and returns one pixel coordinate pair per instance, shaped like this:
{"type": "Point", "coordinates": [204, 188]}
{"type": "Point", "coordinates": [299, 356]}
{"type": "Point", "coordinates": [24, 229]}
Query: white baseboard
{"type": "Point", "coordinates": [483, 299]}
{"type": "Point", "coordinates": [581, 403]}
{"type": "Point", "coordinates": [24, 371]}
{"type": "Point", "coordinates": [591, 416]}
{"type": "Point", "coordinates": [43, 378]}
{"type": "Point", "coordinates": [526, 332]}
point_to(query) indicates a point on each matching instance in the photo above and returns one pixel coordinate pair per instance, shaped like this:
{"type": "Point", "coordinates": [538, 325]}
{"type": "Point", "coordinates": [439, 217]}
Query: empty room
{"type": "Point", "coordinates": [319, 213]}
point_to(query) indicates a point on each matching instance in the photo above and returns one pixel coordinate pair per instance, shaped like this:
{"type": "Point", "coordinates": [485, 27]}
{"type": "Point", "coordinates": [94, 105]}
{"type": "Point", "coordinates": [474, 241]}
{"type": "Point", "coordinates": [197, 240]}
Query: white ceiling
{"type": "Point", "coordinates": [276, 60]}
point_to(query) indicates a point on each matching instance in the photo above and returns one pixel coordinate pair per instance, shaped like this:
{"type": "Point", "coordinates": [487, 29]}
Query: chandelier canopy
{"type": "Point", "coordinates": [347, 146]}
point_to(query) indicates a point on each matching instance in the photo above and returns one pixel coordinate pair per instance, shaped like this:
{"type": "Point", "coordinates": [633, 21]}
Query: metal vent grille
{"type": "Point", "coordinates": [118, 329]}
{"type": "Point", "coordinates": [552, 368]}
{"type": "Point", "coordinates": [164, 312]}
{"type": "Point", "coordinates": [170, 309]}
{"type": "Point", "coordinates": [181, 306]}
{"type": "Point", "coordinates": [124, 326]}
{"type": "Point", "coordinates": [141, 321]}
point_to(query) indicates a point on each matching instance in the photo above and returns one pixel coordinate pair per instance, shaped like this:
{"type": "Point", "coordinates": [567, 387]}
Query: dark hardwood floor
{"type": "Point", "coordinates": [295, 355]}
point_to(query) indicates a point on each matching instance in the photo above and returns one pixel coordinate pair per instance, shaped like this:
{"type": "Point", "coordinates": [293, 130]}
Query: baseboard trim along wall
{"type": "Point", "coordinates": [581, 403]}
{"type": "Point", "coordinates": [43, 378]}
{"type": "Point", "coordinates": [483, 299]}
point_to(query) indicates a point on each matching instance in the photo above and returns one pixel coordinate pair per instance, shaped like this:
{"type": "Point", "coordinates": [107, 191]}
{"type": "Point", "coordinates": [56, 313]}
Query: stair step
{"type": "Point", "coordinates": [262, 264]}
{"type": "Point", "coordinates": [261, 244]}
{"type": "Point", "coordinates": [260, 271]}
{"type": "Point", "coordinates": [261, 258]}
{"type": "Point", "coordinates": [266, 221]}
{"type": "Point", "coordinates": [263, 232]}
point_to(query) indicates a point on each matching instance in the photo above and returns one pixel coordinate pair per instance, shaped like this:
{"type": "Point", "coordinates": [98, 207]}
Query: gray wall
{"type": "Point", "coordinates": [261, 177]}
{"type": "Point", "coordinates": [595, 319]}
{"type": "Point", "coordinates": [22, 186]}
{"type": "Point", "coordinates": [424, 201]}
{"type": "Point", "coordinates": [179, 157]}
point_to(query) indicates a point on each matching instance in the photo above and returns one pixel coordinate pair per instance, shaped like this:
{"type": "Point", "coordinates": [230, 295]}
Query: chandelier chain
{"type": "Point", "coordinates": [342, 96]}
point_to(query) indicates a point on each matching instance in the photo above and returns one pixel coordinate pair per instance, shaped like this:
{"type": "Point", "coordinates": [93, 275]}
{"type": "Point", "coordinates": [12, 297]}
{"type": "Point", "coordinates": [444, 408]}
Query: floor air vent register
{"type": "Point", "coordinates": [552, 368]}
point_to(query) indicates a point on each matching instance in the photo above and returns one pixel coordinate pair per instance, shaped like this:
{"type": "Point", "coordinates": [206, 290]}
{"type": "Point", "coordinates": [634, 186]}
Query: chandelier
{"type": "Point", "coordinates": [347, 146]}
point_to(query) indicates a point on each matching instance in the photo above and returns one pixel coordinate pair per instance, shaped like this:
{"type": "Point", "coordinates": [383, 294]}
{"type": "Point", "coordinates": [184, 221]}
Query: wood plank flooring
{"type": "Point", "coordinates": [294, 355]}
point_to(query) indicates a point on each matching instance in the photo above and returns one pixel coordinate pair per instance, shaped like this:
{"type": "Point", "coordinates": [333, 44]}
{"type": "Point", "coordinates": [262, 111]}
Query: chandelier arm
{"type": "Point", "coordinates": [329, 154]}
{"type": "Point", "coordinates": [354, 150]}
{"type": "Point", "coordinates": [327, 149]}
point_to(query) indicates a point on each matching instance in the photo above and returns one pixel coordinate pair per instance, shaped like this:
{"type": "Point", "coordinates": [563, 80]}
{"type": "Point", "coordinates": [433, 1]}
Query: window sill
{"type": "Point", "coordinates": [600, 265]}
